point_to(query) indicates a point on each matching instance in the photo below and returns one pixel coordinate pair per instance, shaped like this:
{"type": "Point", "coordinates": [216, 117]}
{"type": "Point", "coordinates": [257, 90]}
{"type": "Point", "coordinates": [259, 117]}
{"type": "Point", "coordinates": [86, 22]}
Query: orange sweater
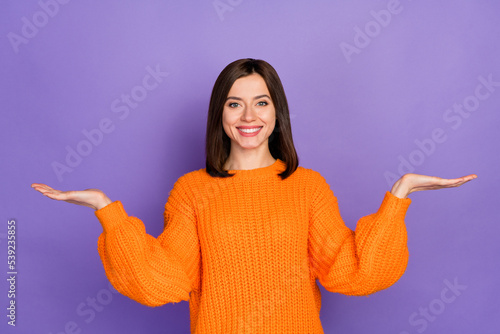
{"type": "Point", "coordinates": [246, 251]}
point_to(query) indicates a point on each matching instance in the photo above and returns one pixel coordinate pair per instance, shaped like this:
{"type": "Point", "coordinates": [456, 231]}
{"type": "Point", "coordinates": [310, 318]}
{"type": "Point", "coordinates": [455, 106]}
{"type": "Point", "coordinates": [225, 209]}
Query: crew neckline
{"type": "Point", "coordinates": [277, 166]}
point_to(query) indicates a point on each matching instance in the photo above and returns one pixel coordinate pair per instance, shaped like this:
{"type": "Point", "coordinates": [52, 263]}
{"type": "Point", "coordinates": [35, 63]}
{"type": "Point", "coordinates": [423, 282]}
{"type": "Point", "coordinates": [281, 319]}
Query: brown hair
{"type": "Point", "coordinates": [218, 144]}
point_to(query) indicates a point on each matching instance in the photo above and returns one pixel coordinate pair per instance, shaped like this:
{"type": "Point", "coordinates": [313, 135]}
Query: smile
{"type": "Point", "coordinates": [249, 132]}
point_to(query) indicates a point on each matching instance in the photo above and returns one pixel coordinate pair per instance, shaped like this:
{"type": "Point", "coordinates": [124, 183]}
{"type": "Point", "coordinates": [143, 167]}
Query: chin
{"type": "Point", "coordinates": [249, 147]}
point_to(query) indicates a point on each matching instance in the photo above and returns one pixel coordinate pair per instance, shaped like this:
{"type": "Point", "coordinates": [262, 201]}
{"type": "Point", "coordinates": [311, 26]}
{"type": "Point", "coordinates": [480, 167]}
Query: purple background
{"type": "Point", "coordinates": [354, 119]}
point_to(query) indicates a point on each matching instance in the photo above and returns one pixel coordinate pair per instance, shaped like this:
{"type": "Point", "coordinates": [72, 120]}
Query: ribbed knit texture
{"type": "Point", "coordinates": [246, 251]}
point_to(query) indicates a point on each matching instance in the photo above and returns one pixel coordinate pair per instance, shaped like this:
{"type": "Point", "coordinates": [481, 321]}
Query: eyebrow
{"type": "Point", "coordinates": [255, 98]}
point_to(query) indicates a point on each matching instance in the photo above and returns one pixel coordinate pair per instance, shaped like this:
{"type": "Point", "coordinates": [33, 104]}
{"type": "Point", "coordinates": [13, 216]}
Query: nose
{"type": "Point", "coordinates": [249, 114]}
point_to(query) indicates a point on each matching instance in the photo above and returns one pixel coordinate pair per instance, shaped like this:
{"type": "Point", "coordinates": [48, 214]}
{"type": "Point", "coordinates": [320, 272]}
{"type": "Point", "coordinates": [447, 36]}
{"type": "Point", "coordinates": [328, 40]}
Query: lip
{"type": "Point", "coordinates": [249, 127]}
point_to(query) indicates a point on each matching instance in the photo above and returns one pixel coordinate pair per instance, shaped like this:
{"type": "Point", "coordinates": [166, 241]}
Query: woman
{"type": "Point", "coordinates": [246, 237]}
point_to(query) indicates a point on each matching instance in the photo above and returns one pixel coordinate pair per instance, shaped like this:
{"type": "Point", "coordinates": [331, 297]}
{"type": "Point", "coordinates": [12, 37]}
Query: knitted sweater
{"type": "Point", "coordinates": [246, 251]}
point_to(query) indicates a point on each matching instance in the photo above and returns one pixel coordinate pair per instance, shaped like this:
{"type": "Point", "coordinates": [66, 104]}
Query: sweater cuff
{"type": "Point", "coordinates": [394, 206]}
{"type": "Point", "coordinates": [111, 216]}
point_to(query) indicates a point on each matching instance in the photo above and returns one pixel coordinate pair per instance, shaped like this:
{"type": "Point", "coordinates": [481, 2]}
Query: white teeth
{"type": "Point", "coordinates": [250, 130]}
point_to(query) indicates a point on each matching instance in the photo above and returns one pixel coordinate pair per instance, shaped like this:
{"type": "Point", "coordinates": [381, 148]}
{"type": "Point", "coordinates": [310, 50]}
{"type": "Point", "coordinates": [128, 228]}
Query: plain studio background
{"type": "Point", "coordinates": [115, 95]}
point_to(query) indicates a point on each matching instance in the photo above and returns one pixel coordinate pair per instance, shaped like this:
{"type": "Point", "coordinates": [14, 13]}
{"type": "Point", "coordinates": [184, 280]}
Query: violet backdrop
{"type": "Point", "coordinates": [114, 95]}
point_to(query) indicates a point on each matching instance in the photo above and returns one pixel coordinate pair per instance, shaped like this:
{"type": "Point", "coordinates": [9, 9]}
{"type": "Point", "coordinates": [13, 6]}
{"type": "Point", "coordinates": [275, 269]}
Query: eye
{"type": "Point", "coordinates": [233, 105]}
{"type": "Point", "coordinates": [262, 103]}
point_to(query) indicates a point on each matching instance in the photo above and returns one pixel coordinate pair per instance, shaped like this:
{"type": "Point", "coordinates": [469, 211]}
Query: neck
{"type": "Point", "coordinates": [248, 161]}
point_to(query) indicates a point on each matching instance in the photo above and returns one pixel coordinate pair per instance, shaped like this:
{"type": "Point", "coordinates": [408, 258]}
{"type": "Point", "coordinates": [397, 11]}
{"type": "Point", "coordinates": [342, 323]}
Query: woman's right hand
{"type": "Point", "coordinates": [92, 198]}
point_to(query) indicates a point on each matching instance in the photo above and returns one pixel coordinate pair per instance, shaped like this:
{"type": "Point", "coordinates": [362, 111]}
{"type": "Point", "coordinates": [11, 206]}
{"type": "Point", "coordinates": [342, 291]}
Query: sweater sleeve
{"type": "Point", "coordinates": [151, 271]}
{"type": "Point", "coordinates": [360, 262]}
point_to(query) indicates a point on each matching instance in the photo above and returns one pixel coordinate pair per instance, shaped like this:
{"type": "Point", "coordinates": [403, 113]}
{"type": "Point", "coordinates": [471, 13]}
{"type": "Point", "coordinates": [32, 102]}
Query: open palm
{"type": "Point", "coordinates": [92, 198]}
{"type": "Point", "coordinates": [409, 183]}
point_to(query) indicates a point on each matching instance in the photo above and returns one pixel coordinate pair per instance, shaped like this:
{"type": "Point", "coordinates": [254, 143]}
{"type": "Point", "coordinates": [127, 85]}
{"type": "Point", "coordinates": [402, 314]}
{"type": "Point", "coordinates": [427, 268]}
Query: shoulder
{"type": "Point", "coordinates": [195, 182]}
{"type": "Point", "coordinates": [315, 182]}
{"type": "Point", "coordinates": [310, 175]}
{"type": "Point", "coordinates": [190, 180]}
{"type": "Point", "coordinates": [185, 189]}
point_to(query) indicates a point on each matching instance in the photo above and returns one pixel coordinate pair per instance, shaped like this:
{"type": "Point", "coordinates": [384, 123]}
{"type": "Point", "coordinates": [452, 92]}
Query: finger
{"type": "Point", "coordinates": [466, 177]}
{"type": "Point", "coordinates": [444, 184]}
{"type": "Point", "coordinates": [44, 190]}
{"type": "Point", "coordinates": [41, 187]}
{"type": "Point", "coordinates": [56, 196]}
{"type": "Point", "coordinates": [462, 180]}
{"type": "Point", "coordinates": [38, 185]}
{"type": "Point", "coordinates": [459, 180]}
{"type": "Point", "coordinates": [470, 177]}
{"type": "Point", "coordinates": [47, 189]}
{"type": "Point", "coordinates": [453, 184]}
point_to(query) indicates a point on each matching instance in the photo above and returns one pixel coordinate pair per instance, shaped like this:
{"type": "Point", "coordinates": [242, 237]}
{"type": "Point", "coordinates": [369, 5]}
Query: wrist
{"type": "Point", "coordinates": [400, 188]}
{"type": "Point", "coordinates": [103, 201]}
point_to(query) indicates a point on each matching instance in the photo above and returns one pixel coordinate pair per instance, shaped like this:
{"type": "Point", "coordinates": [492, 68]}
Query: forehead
{"type": "Point", "coordinates": [250, 85]}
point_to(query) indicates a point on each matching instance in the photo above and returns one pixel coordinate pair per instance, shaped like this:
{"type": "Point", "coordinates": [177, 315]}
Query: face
{"type": "Point", "coordinates": [249, 116]}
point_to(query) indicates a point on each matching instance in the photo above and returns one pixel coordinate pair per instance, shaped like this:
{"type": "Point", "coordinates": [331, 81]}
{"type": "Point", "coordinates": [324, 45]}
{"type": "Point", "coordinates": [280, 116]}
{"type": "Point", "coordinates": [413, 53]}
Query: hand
{"type": "Point", "coordinates": [92, 198]}
{"type": "Point", "coordinates": [409, 183]}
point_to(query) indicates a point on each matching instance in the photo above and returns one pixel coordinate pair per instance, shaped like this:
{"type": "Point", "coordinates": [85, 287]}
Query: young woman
{"type": "Point", "coordinates": [246, 238]}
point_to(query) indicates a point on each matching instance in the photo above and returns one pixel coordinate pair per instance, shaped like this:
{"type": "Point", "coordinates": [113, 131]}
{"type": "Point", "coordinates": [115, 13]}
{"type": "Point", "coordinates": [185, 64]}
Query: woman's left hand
{"type": "Point", "coordinates": [409, 183]}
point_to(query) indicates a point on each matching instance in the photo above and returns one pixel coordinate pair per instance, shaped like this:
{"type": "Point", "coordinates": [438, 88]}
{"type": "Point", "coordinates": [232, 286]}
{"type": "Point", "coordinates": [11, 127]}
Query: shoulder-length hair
{"type": "Point", "coordinates": [218, 144]}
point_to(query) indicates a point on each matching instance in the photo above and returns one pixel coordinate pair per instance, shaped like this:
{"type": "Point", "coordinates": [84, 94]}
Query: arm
{"type": "Point", "coordinates": [374, 256]}
{"type": "Point", "coordinates": [151, 271]}
{"type": "Point", "coordinates": [362, 262]}
{"type": "Point", "coordinates": [148, 270]}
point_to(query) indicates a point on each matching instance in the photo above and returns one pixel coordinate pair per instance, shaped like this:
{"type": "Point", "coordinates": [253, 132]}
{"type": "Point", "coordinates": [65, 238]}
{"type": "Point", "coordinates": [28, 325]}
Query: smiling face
{"type": "Point", "coordinates": [249, 115]}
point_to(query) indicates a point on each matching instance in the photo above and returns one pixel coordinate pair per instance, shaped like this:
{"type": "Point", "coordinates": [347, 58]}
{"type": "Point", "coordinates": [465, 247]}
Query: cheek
{"type": "Point", "coordinates": [227, 123]}
{"type": "Point", "coordinates": [227, 118]}
{"type": "Point", "coordinates": [272, 126]}
{"type": "Point", "coordinates": [271, 120]}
